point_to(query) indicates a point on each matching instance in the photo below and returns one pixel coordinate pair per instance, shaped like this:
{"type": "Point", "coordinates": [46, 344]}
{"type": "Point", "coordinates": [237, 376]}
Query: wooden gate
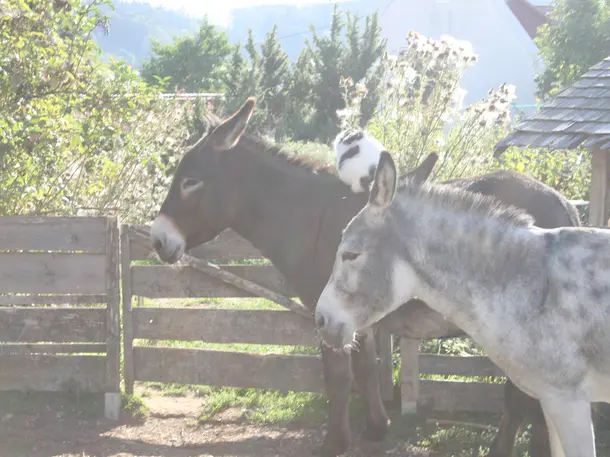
{"type": "Point", "coordinates": [59, 306]}
{"type": "Point", "coordinates": [223, 326]}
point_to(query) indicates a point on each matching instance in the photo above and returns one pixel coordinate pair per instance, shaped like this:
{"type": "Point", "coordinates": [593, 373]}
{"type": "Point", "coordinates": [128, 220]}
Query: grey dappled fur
{"type": "Point", "coordinates": [537, 300]}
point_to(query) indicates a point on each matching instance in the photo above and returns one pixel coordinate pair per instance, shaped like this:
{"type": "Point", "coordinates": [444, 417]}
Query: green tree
{"type": "Point", "coordinates": [373, 48]}
{"type": "Point", "coordinates": [265, 74]}
{"type": "Point", "coordinates": [329, 59]}
{"type": "Point", "coordinates": [326, 62]}
{"type": "Point", "coordinates": [275, 76]}
{"type": "Point", "coordinates": [77, 136]}
{"type": "Point", "coordinates": [244, 79]}
{"type": "Point", "coordinates": [299, 110]}
{"type": "Point", "coordinates": [194, 63]}
{"type": "Point", "coordinates": [576, 37]}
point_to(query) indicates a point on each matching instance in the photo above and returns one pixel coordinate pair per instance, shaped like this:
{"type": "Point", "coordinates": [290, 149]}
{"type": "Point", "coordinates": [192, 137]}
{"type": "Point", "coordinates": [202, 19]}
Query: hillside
{"type": "Point", "coordinates": [134, 25]}
{"type": "Point", "coordinates": [507, 53]}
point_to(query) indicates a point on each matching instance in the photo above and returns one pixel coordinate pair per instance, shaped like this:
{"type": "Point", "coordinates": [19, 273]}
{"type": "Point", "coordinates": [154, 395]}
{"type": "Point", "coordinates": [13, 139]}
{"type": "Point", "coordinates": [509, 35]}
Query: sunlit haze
{"type": "Point", "coordinates": [219, 12]}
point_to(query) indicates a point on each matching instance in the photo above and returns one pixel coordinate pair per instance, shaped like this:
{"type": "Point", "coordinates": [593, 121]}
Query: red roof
{"type": "Point", "coordinates": [531, 17]}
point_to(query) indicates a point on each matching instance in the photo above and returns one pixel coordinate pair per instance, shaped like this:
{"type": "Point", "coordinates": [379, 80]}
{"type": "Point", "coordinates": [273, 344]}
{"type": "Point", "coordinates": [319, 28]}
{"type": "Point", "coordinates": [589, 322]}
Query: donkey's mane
{"type": "Point", "coordinates": [255, 142]}
{"type": "Point", "coordinates": [302, 161]}
{"type": "Point", "coordinates": [459, 200]}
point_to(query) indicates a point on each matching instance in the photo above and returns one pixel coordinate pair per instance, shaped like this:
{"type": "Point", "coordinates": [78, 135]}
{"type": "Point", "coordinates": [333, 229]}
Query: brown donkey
{"type": "Point", "coordinates": [294, 211]}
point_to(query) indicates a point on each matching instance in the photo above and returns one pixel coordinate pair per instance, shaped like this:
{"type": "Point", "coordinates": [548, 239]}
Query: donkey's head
{"type": "Point", "coordinates": [202, 200]}
{"type": "Point", "coordinates": [368, 279]}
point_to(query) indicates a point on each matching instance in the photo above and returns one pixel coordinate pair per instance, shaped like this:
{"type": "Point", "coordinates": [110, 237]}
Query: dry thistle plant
{"type": "Point", "coordinates": [422, 108]}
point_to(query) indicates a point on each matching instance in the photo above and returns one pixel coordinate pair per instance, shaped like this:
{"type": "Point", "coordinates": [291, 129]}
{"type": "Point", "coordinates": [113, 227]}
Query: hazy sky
{"type": "Point", "coordinates": [219, 10]}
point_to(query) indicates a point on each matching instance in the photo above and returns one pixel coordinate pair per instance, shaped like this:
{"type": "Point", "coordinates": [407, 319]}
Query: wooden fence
{"type": "Point", "coordinates": [59, 322]}
{"type": "Point", "coordinates": [59, 306]}
{"type": "Point", "coordinates": [447, 395]}
{"type": "Point", "coordinates": [282, 372]}
{"type": "Point", "coordinates": [222, 326]}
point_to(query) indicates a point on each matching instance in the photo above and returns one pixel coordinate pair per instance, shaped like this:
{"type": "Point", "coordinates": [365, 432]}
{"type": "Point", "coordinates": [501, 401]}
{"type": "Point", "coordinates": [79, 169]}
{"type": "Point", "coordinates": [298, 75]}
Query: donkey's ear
{"type": "Point", "coordinates": [384, 185]}
{"type": "Point", "coordinates": [422, 172]}
{"type": "Point", "coordinates": [227, 134]}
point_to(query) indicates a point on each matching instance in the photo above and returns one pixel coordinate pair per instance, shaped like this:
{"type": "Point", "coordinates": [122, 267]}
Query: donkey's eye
{"type": "Point", "coordinates": [189, 185]}
{"type": "Point", "coordinates": [189, 182]}
{"type": "Point", "coordinates": [349, 256]}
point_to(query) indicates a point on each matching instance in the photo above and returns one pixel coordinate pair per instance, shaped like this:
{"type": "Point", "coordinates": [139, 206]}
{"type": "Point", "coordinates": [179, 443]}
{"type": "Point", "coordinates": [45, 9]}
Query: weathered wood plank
{"type": "Point", "coordinates": [461, 396]}
{"type": "Point", "coordinates": [41, 273]}
{"type": "Point", "coordinates": [384, 345]}
{"type": "Point", "coordinates": [52, 348]}
{"type": "Point", "coordinates": [224, 326]}
{"type": "Point", "coordinates": [47, 373]}
{"type": "Point", "coordinates": [459, 366]}
{"type": "Point", "coordinates": [53, 324]}
{"type": "Point", "coordinates": [598, 194]}
{"type": "Point", "coordinates": [409, 375]}
{"type": "Point", "coordinates": [127, 309]}
{"type": "Point", "coordinates": [113, 313]}
{"type": "Point", "coordinates": [160, 281]}
{"type": "Point", "coordinates": [36, 299]}
{"type": "Point", "coordinates": [33, 233]}
{"type": "Point", "coordinates": [301, 373]}
{"type": "Point", "coordinates": [225, 247]}
{"type": "Point", "coordinates": [227, 277]}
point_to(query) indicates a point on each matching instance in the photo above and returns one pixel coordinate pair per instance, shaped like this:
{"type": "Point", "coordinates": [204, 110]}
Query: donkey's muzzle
{"type": "Point", "coordinates": [166, 240]}
{"type": "Point", "coordinates": [333, 333]}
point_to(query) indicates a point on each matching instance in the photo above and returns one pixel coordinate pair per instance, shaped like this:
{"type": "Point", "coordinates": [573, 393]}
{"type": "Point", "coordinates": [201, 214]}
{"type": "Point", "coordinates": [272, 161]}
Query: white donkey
{"type": "Point", "coordinates": [537, 301]}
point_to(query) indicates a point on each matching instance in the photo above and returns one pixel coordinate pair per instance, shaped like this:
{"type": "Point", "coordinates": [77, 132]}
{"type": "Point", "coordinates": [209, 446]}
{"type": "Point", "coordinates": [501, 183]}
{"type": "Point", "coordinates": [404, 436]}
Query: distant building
{"type": "Point", "coordinates": [531, 14]}
{"type": "Point", "coordinates": [500, 32]}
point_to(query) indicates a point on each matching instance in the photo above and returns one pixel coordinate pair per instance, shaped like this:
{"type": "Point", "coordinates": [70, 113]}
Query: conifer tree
{"type": "Point", "coordinates": [328, 57]}
{"type": "Point", "coordinates": [275, 78]}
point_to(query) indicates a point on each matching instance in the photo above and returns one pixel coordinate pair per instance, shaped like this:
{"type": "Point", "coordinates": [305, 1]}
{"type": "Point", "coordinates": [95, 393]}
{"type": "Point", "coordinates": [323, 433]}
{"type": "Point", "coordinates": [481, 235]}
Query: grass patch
{"type": "Point", "coordinates": [134, 406]}
{"type": "Point", "coordinates": [265, 406]}
{"type": "Point", "coordinates": [213, 303]}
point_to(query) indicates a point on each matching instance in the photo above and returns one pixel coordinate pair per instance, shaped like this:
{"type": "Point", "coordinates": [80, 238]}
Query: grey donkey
{"type": "Point", "coordinates": [536, 300]}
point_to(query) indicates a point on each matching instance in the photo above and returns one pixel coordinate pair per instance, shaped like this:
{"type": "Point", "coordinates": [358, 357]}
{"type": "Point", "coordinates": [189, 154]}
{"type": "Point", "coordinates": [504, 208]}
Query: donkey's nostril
{"type": "Point", "coordinates": [157, 244]}
{"type": "Point", "coordinates": [320, 321]}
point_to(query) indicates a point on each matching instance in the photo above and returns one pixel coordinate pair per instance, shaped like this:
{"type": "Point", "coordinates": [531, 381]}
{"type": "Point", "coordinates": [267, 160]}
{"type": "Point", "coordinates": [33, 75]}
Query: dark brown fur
{"type": "Point", "coordinates": [294, 210]}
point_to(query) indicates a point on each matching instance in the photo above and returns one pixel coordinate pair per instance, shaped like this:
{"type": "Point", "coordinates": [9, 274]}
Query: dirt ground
{"type": "Point", "coordinates": [170, 430]}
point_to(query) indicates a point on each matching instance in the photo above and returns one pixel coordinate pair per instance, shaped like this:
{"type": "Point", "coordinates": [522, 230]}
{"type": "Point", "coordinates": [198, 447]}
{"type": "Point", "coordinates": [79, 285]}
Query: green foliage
{"type": "Point", "coordinates": [134, 406]}
{"type": "Point", "coordinates": [191, 63]}
{"type": "Point", "coordinates": [62, 110]}
{"type": "Point", "coordinates": [567, 171]}
{"type": "Point", "coordinates": [78, 136]}
{"type": "Point", "coordinates": [263, 74]}
{"type": "Point", "coordinates": [577, 37]}
{"type": "Point", "coordinates": [300, 101]}
{"type": "Point", "coordinates": [420, 111]}
{"type": "Point", "coordinates": [265, 406]}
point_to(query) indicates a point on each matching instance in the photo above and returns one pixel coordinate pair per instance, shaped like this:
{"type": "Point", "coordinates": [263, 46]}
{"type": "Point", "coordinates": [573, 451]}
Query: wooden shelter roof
{"type": "Point", "coordinates": [578, 115]}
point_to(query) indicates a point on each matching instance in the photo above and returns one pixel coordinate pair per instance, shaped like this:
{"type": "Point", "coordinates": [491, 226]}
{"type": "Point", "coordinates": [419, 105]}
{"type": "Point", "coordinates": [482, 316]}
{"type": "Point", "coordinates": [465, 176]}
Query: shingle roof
{"type": "Point", "coordinates": [579, 114]}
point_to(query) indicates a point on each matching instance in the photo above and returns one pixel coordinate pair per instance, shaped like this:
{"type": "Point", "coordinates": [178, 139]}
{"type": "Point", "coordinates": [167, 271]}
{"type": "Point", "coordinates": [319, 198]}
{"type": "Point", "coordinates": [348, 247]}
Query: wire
{"type": "Point", "coordinates": [385, 10]}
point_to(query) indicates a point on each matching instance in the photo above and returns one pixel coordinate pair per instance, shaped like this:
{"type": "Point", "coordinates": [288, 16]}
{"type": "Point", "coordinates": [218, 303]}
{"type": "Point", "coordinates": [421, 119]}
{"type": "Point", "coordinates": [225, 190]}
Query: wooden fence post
{"type": "Point", "coordinates": [112, 397]}
{"type": "Point", "coordinates": [128, 373]}
{"type": "Point", "coordinates": [599, 200]}
{"type": "Point", "coordinates": [409, 375]}
{"type": "Point", "coordinates": [384, 349]}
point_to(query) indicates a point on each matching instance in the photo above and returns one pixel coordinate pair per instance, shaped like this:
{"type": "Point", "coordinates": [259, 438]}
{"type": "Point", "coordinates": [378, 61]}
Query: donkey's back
{"type": "Point", "coordinates": [549, 208]}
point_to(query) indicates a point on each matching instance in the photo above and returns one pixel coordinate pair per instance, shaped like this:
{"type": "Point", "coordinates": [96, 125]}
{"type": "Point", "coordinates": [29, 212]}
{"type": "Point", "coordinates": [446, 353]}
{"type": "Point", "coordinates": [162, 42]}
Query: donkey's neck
{"type": "Point", "coordinates": [285, 212]}
{"type": "Point", "coordinates": [470, 268]}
